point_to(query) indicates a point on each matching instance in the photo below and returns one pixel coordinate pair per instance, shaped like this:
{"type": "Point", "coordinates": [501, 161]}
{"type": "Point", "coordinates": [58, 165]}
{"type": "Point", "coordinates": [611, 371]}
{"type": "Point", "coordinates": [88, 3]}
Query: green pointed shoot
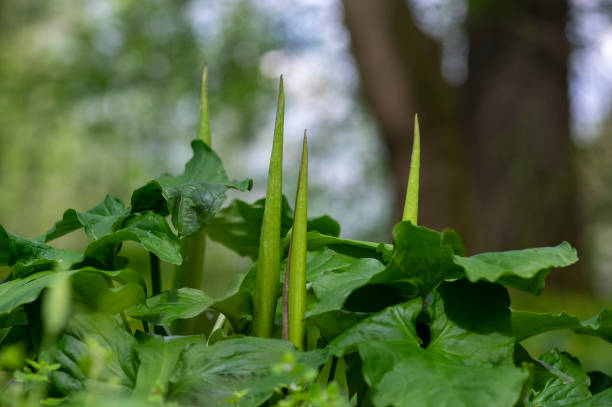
{"type": "Point", "coordinates": [204, 130]}
{"type": "Point", "coordinates": [268, 263]}
{"type": "Point", "coordinates": [411, 206]}
{"type": "Point", "coordinates": [297, 261]}
{"type": "Point", "coordinates": [189, 273]}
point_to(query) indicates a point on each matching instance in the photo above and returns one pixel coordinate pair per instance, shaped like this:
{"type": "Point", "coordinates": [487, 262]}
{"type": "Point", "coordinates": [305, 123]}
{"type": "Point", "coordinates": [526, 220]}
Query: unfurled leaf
{"type": "Point", "coordinates": [158, 357]}
{"type": "Point", "coordinates": [27, 256]}
{"type": "Point", "coordinates": [170, 305]}
{"type": "Point", "coordinates": [148, 228]}
{"type": "Point", "coordinates": [97, 221]}
{"type": "Point", "coordinates": [94, 351]}
{"type": "Point", "coordinates": [466, 362]}
{"type": "Point", "coordinates": [522, 269]}
{"type": "Point", "coordinates": [421, 260]}
{"type": "Point", "coordinates": [193, 197]}
{"type": "Point", "coordinates": [208, 375]}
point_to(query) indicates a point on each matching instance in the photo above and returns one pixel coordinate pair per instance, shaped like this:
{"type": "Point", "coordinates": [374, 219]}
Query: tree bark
{"type": "Point", "coordinates": [400, 74]}
{"type": "Point", "coordinates": [497, 159]}
{"type": "Point", "coordinates": [517, 111]}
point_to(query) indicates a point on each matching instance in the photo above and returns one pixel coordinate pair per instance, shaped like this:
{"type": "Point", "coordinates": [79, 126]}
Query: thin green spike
{"type": "Point", "coordinates": [204, 130]}
{"type": "Point", "coordinates": [268, 263]}
{"type": "Point", "coordinates": [411, 206]}
{"type": "Point", "coordinates": [297, 268]}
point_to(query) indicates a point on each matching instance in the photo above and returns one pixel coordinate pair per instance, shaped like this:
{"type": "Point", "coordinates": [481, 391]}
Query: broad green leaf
{"type": "Point", "coordinates": [21, 291]}
{"type": "Point", "coordinates": [560, 381]}
{"type": "Point", "coordinates": [238, 226]}
{"type": "Point", "coordinates": [522, 269]}
{"type": "Point", "coordinates": [148, 228]}
{"type": "Point", "coordinates": [193, 197]}
{"type": "Point", "coordinates": [527, 324]}
{"type": "Point", "coordinates": [209, 375]}
{"type": "Point", "coordinates": [26, 256]}
{"type": "Point", "coordinates": [349, 247]}
{"type": "Point", "coordinates": [467, 363]}
{"type": "Point", "coordinates": [332, 288]}
{"type": "Point", "coordinates": [421, 260]}
{"type": "Point", "coordinates": [92, 288]}
{"type": "Point", "coordinates": [170, 305]}
{"type": "Point", "coordinates": [94, 351]}
{"type": "Point", "coordinates": [158, 356]}
{"type": "Point", "coordinates": [97, 221]}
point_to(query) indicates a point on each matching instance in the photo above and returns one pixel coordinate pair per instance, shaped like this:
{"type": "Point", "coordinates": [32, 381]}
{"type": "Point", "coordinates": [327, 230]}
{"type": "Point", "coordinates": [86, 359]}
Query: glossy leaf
{"type": "Point", "coordinates": [148, 228]}
{"type": "Point", "coordinates": [421, 260]}
{"type": "Point", "coordinates": [522, 269]}
{"type": "Point", "coordinates": [26, 256]}
{"type": "Point", "coordinates": [194, 196]}
{"type": "Point", "coordinates": [97, 221]}
{"type": "Point", "coordinates": [170, 305]}
{"type": "Point", "coordinates": [158, 357]}
{"type": "Point", "coordinates": [208, 375]}
{"type": "Point", "coordinates": [528, 324]}
{"type": "Point", "coordinates": [468, 361]}
{"type": "Point", "coordinates": [111, 363]}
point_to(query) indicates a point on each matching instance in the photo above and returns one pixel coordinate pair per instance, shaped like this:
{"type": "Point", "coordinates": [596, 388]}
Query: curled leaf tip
{"type": "Point", "coordinates": [411, 205]}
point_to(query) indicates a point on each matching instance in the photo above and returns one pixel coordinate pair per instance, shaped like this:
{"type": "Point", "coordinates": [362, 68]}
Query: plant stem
{"type": "Point", "coordinates": [155, 274]}
{"type": "Point", "coordinates": [285, 311]}
{"type": "Point", "coordinates": [189, 273]}
{"type": "Point", "coordinates": [411, 206]}
{"type": "Point", "coordinates": [297, 269]}
{"type": "Point", "coordinates": [268, 262]}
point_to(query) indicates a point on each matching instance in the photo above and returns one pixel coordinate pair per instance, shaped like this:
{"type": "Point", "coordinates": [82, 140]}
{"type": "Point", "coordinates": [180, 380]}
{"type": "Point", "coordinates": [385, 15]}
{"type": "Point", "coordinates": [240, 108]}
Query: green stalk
{"type": "Point", "coordinates": [268, 262]}
{"type": "Point", "coordinates": [411, 206]}
{"type": "Point", "coordinates": [297, 262]}
{"type": "Point", "coordinates": [189, 272]}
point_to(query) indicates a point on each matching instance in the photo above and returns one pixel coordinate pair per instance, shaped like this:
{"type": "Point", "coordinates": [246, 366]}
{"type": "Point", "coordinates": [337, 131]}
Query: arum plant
{"type": "Point", "coordinates": [189, 272]}
{"type": "Point", "coordinates": [294, 294]}
{"type": "Point", "coordinates": [268, 264]}
{"type": "Point", "coordinates": [411, 205]}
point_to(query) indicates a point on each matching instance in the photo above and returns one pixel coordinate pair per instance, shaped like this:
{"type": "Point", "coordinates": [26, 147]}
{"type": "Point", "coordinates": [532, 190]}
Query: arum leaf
{"type": "Point", "coordinates": [194, 196]}
{"type": "Point", "coordinates": [97, 221]}
{"type": "Point", "coordinates": [468, 361]}
{"type": "Point", "coordinates": [421, 260]}
{"type": "Point", "coordinates": [238, 226]}
{"type": "Point", "coordinates": [158, 357]}
{"type": "Point", "coordinates": [170, 305]}
{"type": "Point", "coordinates": [94, 351]}
{"type": "Point", "coordinates": [26, 256]}
{"type": "Point", "coordinates": [209, 375]}
{"type": "Point", "coordinates": [148, 228]}
{"type": "Point", "coordinates": [521, 269]}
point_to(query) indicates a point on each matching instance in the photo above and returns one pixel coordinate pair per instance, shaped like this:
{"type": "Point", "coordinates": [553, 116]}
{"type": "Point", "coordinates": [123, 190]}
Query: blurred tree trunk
{"type": "Point", "coordinates": [400, 74]}
{"type": "Point", "coordinates": [497, 154]}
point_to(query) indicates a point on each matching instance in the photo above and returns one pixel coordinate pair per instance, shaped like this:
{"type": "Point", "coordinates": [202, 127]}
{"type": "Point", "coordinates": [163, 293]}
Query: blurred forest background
{"type": "Point", "coordinates": [513, 99]}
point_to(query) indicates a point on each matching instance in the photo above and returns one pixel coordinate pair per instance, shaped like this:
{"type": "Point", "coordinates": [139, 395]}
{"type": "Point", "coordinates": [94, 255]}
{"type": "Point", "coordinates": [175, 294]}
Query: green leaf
{"type": "Point", "coordinates": [349, 247]}
{"type": "Point", "coordinates": [332, 288]}
{"type": "Point", "coordinates": [208, 375]}
{"type": "Point", "coordinates": [421, 260]}
{"type": "Point", "coordinates": [522, 269]}
{"type": "Point", "coordinates": [560, 381]}
{"type": "Point", "coordinates": [158, 357]}
{"type": "Point", "coordinates": [193, 197]}
{"type": "Point", "coordinates": [94, 351]}
{"type": "Point", "coordinates": [527, 324]}
{"type": "Point", "coordinates": [148, 228]}
{"type": "Point", "coordinates": [26, 256]}
{"type": "Point", "coordinates": [21, 291]}
{"type": "Point", "coordinates": [170, 305]}
{"type": "Point", "coordinates": [468, 361]}
{"type": "Point", "coordinates": [238, 226]}
{"type": "Point", "coordinates": [97, 221]}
